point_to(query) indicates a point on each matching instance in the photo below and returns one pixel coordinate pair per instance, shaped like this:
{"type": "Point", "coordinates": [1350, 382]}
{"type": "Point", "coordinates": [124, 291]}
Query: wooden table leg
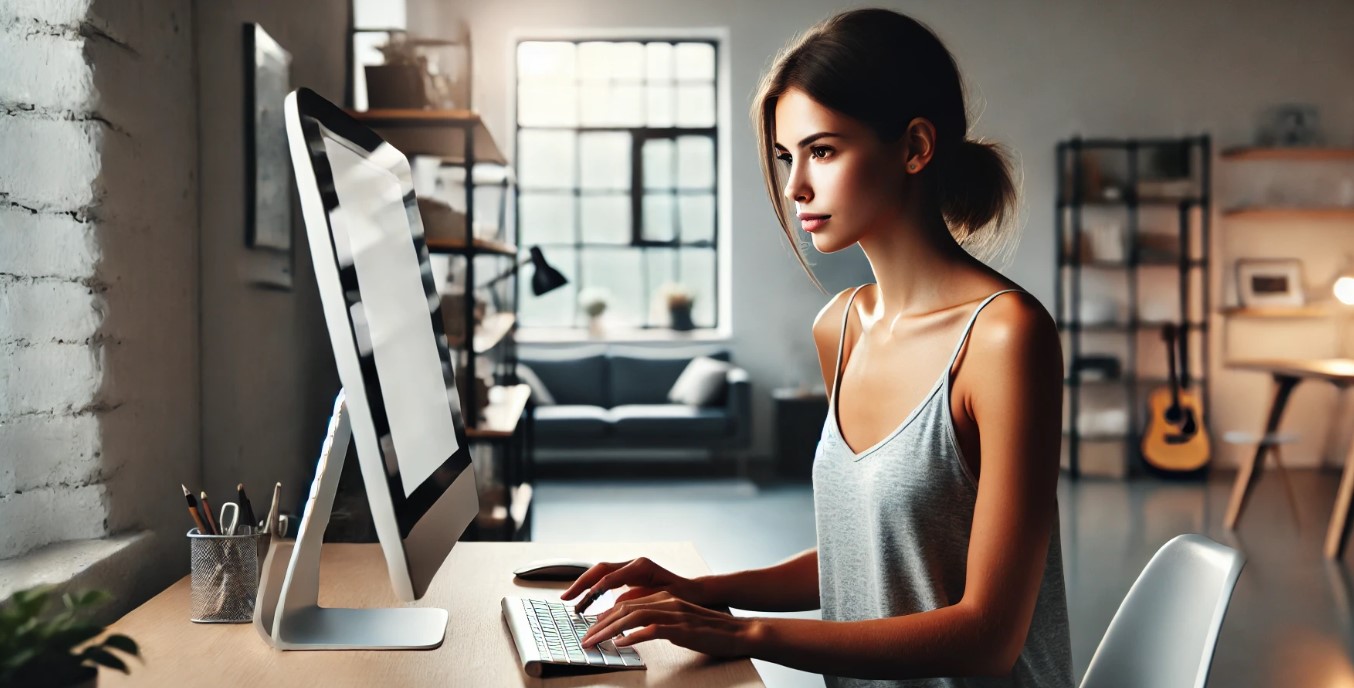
{"type": "Point", "coordinates": [1339, 518]}
{"type": "Point", "coordinates": [1247, 473]}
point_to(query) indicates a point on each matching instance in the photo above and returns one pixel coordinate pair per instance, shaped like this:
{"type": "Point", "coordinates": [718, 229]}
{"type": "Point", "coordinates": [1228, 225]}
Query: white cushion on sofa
{"type": "Point", "coordinates": [539, 392]}
{"type": "Point", "coordinates": [701, 383]}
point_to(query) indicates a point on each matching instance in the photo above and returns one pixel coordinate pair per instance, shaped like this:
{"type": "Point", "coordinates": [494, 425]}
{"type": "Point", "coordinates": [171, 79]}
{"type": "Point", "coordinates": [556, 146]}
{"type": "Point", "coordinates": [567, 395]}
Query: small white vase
{"type": "Point", "coordinates": [596, 328]}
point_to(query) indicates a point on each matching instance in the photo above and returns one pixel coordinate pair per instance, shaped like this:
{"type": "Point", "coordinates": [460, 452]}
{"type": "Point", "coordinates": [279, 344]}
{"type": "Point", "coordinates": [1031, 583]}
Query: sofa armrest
{"type": "Point", "coordinates": [739, 402]}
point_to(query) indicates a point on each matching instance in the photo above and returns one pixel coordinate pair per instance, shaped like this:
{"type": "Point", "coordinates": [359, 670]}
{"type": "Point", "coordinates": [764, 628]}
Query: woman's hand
{"type": "Point", "coordinates": [667, 617]}
{"type": "Point", "coordinates": [642, 576]}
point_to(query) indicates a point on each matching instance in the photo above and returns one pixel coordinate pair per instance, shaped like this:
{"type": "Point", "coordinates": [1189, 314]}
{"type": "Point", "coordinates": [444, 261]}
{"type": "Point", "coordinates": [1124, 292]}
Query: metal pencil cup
{"type": "Point", "coordinates": [225, 577]}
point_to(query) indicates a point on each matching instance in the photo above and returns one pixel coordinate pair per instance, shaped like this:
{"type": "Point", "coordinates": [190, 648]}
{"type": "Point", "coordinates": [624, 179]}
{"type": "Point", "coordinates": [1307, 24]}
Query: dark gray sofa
{"type": "Point", "coordinates": [613, 399]}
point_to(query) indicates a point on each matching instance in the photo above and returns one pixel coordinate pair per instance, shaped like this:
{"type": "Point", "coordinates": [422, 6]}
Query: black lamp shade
{"type": "Point", "coordinates": [546, 278]}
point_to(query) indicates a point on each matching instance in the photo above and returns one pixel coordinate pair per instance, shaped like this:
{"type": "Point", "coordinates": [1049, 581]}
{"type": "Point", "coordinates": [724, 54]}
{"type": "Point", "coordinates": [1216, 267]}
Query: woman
{"type": "Point", "coordinates": [938, 559]}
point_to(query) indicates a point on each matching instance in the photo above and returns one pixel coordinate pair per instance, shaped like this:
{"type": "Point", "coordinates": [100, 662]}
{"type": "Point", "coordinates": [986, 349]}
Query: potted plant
{"type": "Point", "coordinates": [680, 299]}
{"type": "Point", "coordinates": [55, 650]}
{"type": "Point", "coordinates": [593, 301]}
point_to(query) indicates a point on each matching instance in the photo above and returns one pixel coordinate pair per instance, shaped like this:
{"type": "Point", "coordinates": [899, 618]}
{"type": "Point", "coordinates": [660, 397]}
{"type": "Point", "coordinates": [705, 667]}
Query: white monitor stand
{"type": "Point", "coordinates": [287, 612]}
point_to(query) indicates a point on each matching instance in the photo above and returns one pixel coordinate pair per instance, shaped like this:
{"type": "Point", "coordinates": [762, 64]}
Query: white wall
{"type": "Point", "coordinates": [268, 374]}
{"type": "Point", "coordinates": [98, 271]}
{"type": "Point", "coordinates": [1037, 72]}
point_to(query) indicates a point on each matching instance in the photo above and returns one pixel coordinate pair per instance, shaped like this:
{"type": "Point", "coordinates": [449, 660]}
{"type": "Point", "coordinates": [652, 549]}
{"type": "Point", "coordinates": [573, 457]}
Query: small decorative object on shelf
{"type": "Point", "coordinates": [679, 300]}
{"type": "Point", "coordinates": [594, 301]}
{"type": "Point", "coordinates": [41, 649]}
{"type": "Point", "coordinates": [1269, 282]}
{"type": "Point", "coordinates": [1290, 124]}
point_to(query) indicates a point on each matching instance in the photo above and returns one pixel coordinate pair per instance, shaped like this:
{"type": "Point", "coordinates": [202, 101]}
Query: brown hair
{"type": "Point", "coordinates": [884, 69]}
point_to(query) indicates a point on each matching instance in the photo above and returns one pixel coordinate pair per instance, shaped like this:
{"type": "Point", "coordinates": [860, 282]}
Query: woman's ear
{"type": "Point", "coordinates": [920, 144]}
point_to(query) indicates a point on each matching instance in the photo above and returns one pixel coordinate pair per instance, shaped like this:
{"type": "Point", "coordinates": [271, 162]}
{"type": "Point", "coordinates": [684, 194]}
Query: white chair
{"type": "Point", "coordinates": [1167, 626]}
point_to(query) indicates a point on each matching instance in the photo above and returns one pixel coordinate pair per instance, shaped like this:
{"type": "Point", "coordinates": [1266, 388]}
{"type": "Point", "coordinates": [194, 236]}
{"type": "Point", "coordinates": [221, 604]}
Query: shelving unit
{"type": "Point", "coordinates": [459, 139]}
{"type": "Point", "coordinates": [1077, 169]}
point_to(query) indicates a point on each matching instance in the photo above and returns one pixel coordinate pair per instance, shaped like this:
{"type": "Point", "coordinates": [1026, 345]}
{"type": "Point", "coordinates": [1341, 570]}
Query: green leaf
{"type": "Point", "coordinates": [68, 638]}
{"type": "Point", "coordinates": [92, 598]}
{"type": "Point", "coordinates": [122, 642]}
{"type": "Point", "coordinates": [104, 657]}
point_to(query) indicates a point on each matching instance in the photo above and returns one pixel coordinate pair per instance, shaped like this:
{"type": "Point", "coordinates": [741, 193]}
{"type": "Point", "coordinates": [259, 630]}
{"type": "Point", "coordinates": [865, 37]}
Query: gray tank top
{"type": "Point", "coordinates": [893, 533]}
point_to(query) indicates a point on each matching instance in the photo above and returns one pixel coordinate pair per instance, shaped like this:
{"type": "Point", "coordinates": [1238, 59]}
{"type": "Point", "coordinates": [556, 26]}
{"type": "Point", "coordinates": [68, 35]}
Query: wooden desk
{"type": "Point", "coordinates": [1287, 374]}
{"type": "Point", "coordinates": [478, 651]}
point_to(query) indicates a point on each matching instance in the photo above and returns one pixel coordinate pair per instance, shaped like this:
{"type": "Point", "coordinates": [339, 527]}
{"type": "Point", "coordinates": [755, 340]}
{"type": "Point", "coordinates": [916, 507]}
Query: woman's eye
{"type": "Point", "coordinates": [784, 157]}
{"type": "Point", "coordinates": [820, 152]}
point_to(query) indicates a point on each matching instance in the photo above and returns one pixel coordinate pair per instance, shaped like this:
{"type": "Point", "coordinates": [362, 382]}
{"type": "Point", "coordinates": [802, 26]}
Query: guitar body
{"type": "Point", "coordinates": [1175, 440]}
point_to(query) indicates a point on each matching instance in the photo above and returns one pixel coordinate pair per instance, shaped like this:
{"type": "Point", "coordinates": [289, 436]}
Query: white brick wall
{"type": "Point", "coordinates": [50, 375]}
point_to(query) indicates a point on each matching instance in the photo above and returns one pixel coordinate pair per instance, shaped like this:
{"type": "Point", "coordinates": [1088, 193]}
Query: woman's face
{"type": "Point", "coordinates": [844, 182]}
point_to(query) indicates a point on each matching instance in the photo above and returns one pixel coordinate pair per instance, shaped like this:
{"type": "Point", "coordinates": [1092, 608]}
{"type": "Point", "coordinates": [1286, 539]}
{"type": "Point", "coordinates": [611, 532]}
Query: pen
{"type": "Point", "coordinates": [193, 511]}
{"type": "Point", "coordinates": [270, 526]}
{"type": "Point", "coordinates": [211, 519]}
{"type": "Point", "coordinates": [247, 516]}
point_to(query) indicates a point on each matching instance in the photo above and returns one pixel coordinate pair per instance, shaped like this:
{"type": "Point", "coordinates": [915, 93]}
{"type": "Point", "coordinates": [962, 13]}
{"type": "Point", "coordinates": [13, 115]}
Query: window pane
{"type": "Point", "coordinates": [606, 160]}
{"type": "Point", "coordinates": [658, 61]}
{"type": "Point", "coordinates": [618, 271]}
{"type": "Point", "coordinates": [696, 105]}
{"type": "Point", "coordinates": [378, 14]}
{"type": "Point", "coordinates": [546, 61]}
{"type": "Point", "coordinates": [611, 105]}
{"type": "Point", "coordinates": [606, 219]}
{"type": "Point", "coordinates": [697, 266]}
{"type": "Point", "coordinates": [695, 162]}
{"type": "Point", "coordinates": [627, 61]}
{"type": "Point", "coordinates": [555, 308]}
{"type": "Point", "coordinates": [547, 104]}
{"type": "Point", "coordinates": [661, 271]}
{"type": "Point", "coordinates": [546, 159]}
{"type": "Point", "coordinates": [659, 105]}
{"type": "Point", "coordinates": [547, 218]}
{"type": "Point", "coordinates": [658, 217]}
{"type": "Point", "coordinates": [658, 163]}
{"type": "Point", "coordinates": [695, 61]}
{"type": "Point", "coordinates": [596, 60]}
{"type": "Point", "coordinates": [697, 215]}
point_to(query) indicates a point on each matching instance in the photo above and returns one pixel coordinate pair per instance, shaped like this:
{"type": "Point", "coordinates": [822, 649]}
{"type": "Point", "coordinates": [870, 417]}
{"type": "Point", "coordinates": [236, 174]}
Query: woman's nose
{"type": "Point", "coordinates": [796, 188]}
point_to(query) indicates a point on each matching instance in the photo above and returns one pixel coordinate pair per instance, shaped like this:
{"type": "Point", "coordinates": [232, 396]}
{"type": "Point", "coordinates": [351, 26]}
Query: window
{"type": "Point", "coordinates": [618, 174]}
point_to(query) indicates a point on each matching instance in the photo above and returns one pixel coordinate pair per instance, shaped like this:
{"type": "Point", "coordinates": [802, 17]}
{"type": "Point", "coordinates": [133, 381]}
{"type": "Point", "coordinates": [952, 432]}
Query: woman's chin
{"type": "Point", "coordinates": [824, 242]}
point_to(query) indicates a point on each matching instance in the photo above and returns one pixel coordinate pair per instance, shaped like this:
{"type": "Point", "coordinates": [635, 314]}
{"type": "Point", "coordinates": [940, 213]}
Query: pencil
{"type": "Point", "coordinates": [211, 519]}
{"type": "Point", "coordinates": [192, 511]}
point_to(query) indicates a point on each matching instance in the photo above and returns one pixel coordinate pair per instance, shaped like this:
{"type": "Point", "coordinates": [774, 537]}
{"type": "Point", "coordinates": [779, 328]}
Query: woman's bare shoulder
{"type": "Point", "coordinates": [827, 326]}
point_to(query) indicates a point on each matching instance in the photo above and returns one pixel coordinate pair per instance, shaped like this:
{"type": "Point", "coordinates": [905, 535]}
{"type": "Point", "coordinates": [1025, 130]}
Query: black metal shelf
{"type": "Point", "coordinates": [1078, 194]}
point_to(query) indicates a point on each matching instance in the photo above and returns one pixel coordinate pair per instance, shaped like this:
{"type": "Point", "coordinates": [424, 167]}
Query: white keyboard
{"type": "Point", "coordinates": [547, 633]}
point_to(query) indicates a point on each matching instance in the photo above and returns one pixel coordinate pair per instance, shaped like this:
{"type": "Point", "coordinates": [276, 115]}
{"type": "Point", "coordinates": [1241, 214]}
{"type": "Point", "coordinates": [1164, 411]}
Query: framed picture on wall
{"type": "Point", "coordinates": [268, 181]}
{"type": "Point", "coordinates": [1269, 282]}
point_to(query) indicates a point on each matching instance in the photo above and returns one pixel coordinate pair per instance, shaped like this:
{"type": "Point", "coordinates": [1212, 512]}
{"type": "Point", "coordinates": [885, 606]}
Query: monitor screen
{"type": "Point", "coordinates": [394, 317]}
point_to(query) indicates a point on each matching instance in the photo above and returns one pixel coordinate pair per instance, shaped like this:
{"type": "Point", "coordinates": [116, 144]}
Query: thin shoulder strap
{"type": "Point", "coordinates": [841, 342]}
{"type": "Point", "coordinates": [969, 328]}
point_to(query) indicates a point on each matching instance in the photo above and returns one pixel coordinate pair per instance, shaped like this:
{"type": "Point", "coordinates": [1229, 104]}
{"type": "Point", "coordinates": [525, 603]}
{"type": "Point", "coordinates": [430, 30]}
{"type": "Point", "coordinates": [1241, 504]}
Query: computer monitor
{"type": "Point", "coordinates": [399, 393]}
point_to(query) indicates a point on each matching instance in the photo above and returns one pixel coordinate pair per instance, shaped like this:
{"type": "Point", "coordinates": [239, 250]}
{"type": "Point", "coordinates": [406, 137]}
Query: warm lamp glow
{"type": "Point", "coordinates": [1344, 290]}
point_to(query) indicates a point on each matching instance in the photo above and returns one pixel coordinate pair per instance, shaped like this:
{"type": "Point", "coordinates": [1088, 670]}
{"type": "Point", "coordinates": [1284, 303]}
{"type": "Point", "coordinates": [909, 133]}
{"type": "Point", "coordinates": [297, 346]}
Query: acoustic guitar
{"type": "Point", "coordinates": [1175, 440]}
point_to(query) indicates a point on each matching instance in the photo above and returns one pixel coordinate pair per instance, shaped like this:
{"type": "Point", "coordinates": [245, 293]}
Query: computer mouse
{"type": "Point", "coordinates": [552, 569]}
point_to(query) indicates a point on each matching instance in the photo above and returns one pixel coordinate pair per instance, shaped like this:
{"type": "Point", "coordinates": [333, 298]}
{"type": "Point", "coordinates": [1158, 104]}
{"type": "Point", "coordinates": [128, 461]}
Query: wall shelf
{"type": "Point", "coordinates": [1290, 153]}
{"type": "Point", "coordinates": [1281, 213]}
{"type": "Point", "coordinates": [1275, 311]}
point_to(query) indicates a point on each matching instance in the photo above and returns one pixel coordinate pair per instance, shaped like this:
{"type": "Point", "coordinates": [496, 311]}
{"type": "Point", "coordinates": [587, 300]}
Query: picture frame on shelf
{"type": "Point", "coordinates": [1268, 282]}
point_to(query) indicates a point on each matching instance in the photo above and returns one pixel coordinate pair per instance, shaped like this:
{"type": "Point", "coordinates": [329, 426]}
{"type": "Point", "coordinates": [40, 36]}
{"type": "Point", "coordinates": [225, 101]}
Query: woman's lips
{"type": "Point", "coordinates": [813, 224]}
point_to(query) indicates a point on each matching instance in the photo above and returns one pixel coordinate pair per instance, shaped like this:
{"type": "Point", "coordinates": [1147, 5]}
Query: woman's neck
{"type": "Point", "coordinates": [916, 264]}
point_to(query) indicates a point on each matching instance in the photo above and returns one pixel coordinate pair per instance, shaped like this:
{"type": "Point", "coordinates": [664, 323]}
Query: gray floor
{"type": "Point", "coordinates": [1289, 624]}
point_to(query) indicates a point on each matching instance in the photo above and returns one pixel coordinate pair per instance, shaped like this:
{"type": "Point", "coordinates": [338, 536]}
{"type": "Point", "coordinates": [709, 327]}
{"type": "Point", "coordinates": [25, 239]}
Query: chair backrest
{"type": "Point", "coordinates": [1165, 631]}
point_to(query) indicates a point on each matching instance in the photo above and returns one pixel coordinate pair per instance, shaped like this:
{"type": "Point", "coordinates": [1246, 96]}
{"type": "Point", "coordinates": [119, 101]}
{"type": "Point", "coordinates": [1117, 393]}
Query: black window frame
{"type": "Point", "coordinates": [637, 191]}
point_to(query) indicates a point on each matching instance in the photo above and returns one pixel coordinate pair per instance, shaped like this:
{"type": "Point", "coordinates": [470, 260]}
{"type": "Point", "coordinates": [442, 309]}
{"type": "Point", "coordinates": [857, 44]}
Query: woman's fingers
{"type": "Point", "coordinates": [637, 593]}
{"type": "Point", "coordinates": [642, 617]}
{"type": "Point", "coordinates": [589, 577]}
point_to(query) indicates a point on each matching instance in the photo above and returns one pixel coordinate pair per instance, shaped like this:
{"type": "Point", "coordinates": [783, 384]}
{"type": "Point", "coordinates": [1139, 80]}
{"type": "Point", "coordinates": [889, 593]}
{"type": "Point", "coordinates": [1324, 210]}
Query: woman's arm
{"type": "Point", "coordinates": [1016, 354]}
{"type": "Point", "coordinates": [790, 586]}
